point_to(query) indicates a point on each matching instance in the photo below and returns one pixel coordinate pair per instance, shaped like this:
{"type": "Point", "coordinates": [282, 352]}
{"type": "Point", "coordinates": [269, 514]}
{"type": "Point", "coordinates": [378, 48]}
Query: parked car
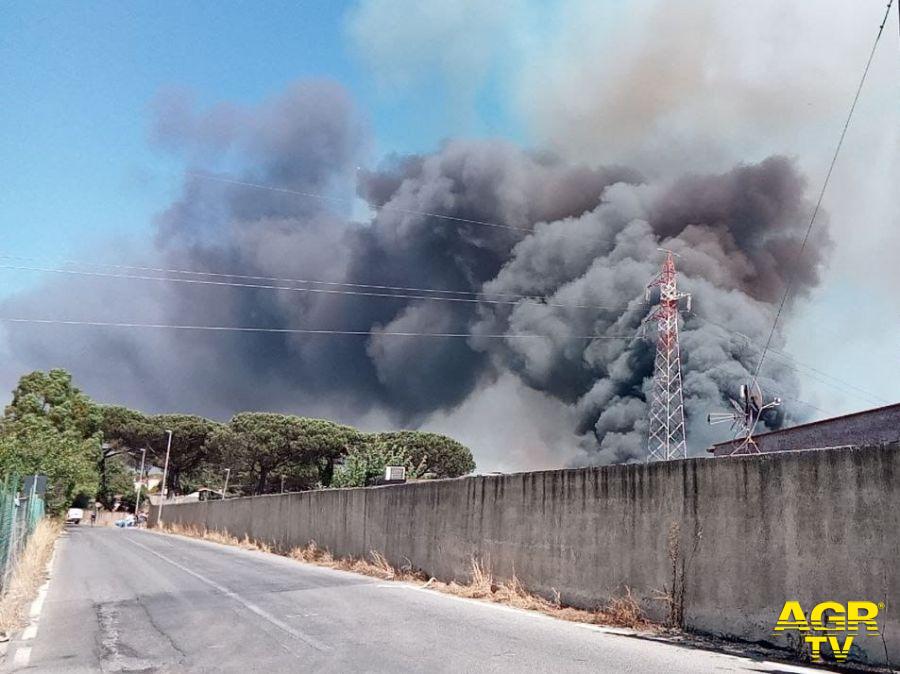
{"type": "Point", "coordinates": [74, 516]}
{"type": "Point", "coordinates": [127, 521]}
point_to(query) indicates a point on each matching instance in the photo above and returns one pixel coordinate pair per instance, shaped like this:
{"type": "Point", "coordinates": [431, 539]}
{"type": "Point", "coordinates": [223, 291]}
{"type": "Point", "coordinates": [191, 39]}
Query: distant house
{"type": "Point", "coordinates": [151, 481]}
{"type": "Point", "coordinates": [202, 494]}
{"type": "Point", "coordinates": [869, 427]}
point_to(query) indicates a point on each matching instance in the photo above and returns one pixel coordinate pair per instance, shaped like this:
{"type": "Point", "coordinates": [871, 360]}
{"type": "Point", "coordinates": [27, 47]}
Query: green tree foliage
{"type": "Point", "coordinates": [131, 431]}
{"type": "Point", "coordinates": [118, 479]}
{"type": "Point", "coordinates": [51, 427]}
{"type": "Point", "coordinates": [260, 448]}
{"type": "Point", "coordinates": [52, 397]}
{"type": "Point", "coordinates": [119, 454]}
{"type": "Point", "coordinates": [189, 451]}
{"type": "Point", "coordinates": [364, 464]}
{"type": "Point", "coordinates": [123, 428]}
{"type": "Point", "coordinates": [442, 456]}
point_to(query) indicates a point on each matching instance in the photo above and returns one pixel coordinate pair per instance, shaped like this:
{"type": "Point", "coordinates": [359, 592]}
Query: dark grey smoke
{"type": "Point", "coordinates": [735, 234]}
{"type": "Point", "coordinates": [595, 240]}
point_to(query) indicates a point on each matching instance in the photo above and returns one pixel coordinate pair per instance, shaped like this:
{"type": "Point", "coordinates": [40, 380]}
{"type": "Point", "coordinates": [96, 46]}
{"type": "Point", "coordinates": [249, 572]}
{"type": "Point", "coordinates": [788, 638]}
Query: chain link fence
{"type": "Point", "coordinates": [19, 515]}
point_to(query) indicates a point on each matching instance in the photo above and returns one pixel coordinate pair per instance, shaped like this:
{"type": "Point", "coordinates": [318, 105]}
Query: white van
{"type": "Point", "coordinates": [74, 516]}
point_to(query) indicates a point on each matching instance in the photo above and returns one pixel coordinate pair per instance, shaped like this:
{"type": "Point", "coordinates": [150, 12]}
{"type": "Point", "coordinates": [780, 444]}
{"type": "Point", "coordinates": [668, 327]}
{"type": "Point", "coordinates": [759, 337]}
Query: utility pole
{"type": "Point", "coordinates": [165, 489]}
{"type": "Point", "coordinates": [137, 501]}
{"type": "Point", "coordinates": [666, 429]}
{"type": "Point", "coordinates": [225, 487]}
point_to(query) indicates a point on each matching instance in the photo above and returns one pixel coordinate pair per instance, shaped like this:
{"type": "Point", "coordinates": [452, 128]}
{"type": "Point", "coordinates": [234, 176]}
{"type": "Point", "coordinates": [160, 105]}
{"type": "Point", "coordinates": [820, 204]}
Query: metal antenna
{"type": "Point", "coordinates": [745, 416]}
{"type": "Point", "coordinates": [667, 431]}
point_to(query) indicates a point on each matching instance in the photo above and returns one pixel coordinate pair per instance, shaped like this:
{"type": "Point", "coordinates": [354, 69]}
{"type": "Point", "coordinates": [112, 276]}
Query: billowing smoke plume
{"type": "Point", "coordinates": [594, 244]}
{"type": "Point", "coordinates": [737, 235]}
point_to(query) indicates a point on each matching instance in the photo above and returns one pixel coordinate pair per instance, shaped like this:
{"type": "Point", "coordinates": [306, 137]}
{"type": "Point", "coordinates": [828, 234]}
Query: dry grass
{"type": "Point", "coordinates": [28, 575]}
{"type": "Point", "coordinates": [312, 554]}
{"type": "Point", "coordinates": [622, 611]}
{"type": "Point", "coordinates": [376, 565]}
{"type": "Point", "coordinates": [222, 537]}
{"type": "Point", "coordinates": [625, 610]}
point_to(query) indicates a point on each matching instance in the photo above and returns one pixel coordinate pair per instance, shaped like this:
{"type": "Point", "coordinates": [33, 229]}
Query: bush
{"type": "Point", "coordinates": [363, 464]}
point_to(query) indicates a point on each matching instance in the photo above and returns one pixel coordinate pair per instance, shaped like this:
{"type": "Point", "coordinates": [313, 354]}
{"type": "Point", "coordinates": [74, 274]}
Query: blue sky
{"type": "Point", "coordinates": [79, 80]}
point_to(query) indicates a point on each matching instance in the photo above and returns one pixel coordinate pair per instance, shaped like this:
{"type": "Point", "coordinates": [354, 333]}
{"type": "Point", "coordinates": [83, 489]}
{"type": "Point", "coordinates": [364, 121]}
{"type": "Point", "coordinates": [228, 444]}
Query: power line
{"type": "Point", "coordinates": [344, 284]}
{"type": "Point", "coordinates": [306, 331]}
{"type": "Point", "coordinates": [792, 360]}
{"type": "Point", "coordinates": [794, 364]}
{"type": "Point", "coordinates": [301, 331]}
{"type": "Point", "coordinates": [870, 396]}
{"type": "Point", "coordinates": [815, 212]}
{"type": "Point", "coordinates": [836, 383]}
{"type": "Point", "coordinates": [218, 328]}
{"type": "Point", "coordinates": [865, 396]}
{"type": "Point", "coordinates": [327, 291]}
{"type": "Point", "coordinates": [889, 9]}
{"type": "Point", "coordinates": [536, 299]}
{"type": "Point", "coordinates": [325, 197]}
{"type": "Point", "coordinates": [798, 400]}
{"type": "Point", "coordinates": [784, 355]}
{"type": "Point", "coordinates": [275, 279]}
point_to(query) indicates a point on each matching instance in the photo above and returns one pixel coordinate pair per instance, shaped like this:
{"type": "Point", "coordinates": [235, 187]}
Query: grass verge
{"type": "Point", "coordinates": [621, 611]}
{"type": "Point", "coordinates": [28, 575]}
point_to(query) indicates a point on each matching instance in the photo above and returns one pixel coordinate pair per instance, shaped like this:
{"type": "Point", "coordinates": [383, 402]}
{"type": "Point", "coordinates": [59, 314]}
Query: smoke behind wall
{"type": "Point", "coordinates": [596, 231]}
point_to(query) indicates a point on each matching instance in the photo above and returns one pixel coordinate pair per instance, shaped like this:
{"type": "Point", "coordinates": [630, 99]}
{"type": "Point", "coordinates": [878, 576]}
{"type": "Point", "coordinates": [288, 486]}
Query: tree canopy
{"type": "Point", "coordinates": [84, 448]}
{"type": "Point", "coordinates": [442, 456]}
{"type": "Point", "coordinates": [135, 431]}
{"type": "Point", "coordinates": [420, 453]}
{"type": "Point", "coordinates": [51, 427]}
{"type": "Point", "coordinates": [53, 397]}
{"type": "Point", "coordinates": [260, 448]}
{"type": "Point", "coordinates": [123, 428]}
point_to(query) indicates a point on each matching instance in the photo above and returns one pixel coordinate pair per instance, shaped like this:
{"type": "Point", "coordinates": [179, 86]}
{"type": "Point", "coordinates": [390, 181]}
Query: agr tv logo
{"type": "Point", "coordinates": [827, 622]}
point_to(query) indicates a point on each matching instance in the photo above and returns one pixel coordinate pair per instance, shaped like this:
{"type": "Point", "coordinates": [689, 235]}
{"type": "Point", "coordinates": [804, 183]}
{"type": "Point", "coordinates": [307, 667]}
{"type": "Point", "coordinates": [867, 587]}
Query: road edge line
{"type": "Point", "coordinates": [22, 653]}
{"type": "Point", "coordinates": [231, 594]}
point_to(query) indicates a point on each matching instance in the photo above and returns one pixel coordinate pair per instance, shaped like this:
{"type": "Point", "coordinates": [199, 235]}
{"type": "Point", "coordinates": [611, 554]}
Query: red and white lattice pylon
{"type": "Point", "coordinates": [667, 437]}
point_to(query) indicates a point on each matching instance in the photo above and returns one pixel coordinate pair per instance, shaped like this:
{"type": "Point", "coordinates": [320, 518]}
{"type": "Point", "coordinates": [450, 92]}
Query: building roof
{"type": "Point", "coordinates": [810, 424]}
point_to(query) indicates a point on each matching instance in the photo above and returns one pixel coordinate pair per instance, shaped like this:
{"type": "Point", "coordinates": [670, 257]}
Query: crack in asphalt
{"type": "Point", "coordinates": [116, 656]}
{"type": "Point", "coordinates": [181, 654]}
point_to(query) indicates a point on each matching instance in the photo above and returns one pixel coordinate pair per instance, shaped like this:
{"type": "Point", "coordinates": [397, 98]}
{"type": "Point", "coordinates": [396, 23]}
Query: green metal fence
{"type": "Point", "coordinates": [19, 515]}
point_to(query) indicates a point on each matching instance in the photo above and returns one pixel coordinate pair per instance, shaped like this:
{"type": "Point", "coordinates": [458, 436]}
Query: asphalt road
{"type": "Point", "coordinates": [136, 601]}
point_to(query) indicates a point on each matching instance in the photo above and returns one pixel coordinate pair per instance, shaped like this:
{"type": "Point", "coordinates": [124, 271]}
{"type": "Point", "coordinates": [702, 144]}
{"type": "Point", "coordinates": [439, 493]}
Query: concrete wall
{"type": "Point", "coordinates": [870, 427]}
{"type": "Point", "coordinates": [752, 532]}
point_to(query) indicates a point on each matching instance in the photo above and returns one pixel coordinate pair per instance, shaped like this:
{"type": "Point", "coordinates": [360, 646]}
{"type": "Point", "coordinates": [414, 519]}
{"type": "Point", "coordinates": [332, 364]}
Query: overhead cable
{"type": "Point", "coordinates": [275, 279]}
{"type": "Point", "coordinates": [205, 282]}
{"type": "Point", "coordinates": [325, 291]}
{"type": "Point", "coordinates": [300, 331]}
{"type": "Point", "coordinates": [793, 362]}
{"type": "Point", "coordinates": [386, 208]}
{"type": "Point", "coordinates": [790, 271]}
